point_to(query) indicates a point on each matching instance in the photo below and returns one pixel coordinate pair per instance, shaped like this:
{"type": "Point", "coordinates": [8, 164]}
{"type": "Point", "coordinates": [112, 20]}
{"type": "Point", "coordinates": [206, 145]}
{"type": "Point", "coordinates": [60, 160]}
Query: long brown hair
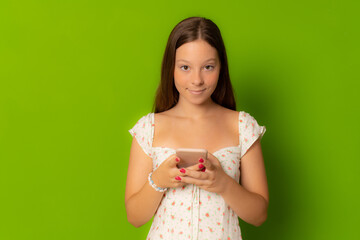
{"type": "Point", "coordinates": [188, 30]}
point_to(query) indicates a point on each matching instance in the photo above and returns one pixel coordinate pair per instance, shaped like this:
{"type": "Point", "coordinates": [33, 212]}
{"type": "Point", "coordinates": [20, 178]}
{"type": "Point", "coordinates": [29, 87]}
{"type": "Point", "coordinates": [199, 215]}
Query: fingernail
{"type": "Point", "coordinates": [201, 166]}
{"type": "Point", "coordinates": [182, 170]}
{"type": "Point", "coordinates": [178, 178]}
{"type": "Point", "coordinates": [177, 159]}
{"type": "Point", "coordinates": [203, 170]}
{"type": "Point", "coordinates": [201, 160]}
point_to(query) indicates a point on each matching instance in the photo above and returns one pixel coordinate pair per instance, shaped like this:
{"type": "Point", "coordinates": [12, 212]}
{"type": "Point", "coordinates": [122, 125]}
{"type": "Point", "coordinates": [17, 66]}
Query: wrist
{"type": "Point", "coordinates": [155, 184]}
{"type": "Point", "coordinates": [155, 179]}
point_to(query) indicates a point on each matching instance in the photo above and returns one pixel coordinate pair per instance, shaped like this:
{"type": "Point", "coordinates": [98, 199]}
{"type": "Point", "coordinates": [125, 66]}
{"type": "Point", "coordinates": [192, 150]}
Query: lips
{"type": "Point", "coordinates": [196, 91]}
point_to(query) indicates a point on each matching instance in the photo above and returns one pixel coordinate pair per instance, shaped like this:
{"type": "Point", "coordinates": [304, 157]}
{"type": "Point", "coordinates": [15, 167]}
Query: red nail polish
{"type": "Point", "coordinates": [201, 160]}
{"type": "Point", "coordinates": [178, 178]}
{"type": "Point", "coordinates": [203, 170]}
{"type": "Point", "coordinates": [182, 170]}
{"type": "Point", "coordinates": [201, 166]}
{"type": "Point", "coordinates": [177, 159]}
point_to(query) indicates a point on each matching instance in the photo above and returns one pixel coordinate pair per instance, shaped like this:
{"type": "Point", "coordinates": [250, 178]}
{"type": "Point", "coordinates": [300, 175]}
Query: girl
{"type": "Point", "coordinates": [195, 108]}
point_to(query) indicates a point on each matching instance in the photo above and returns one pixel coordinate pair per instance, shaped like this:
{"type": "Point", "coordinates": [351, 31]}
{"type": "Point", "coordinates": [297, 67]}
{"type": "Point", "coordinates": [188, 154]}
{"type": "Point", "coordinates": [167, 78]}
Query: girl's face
{"type": "Point", "coordinates": [197, 69]}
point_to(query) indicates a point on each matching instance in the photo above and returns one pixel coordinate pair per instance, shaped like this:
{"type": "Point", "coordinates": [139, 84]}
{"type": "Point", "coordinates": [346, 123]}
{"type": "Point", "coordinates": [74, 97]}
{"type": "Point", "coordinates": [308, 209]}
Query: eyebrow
{"type": "Point", "coordinates": [188, 61]}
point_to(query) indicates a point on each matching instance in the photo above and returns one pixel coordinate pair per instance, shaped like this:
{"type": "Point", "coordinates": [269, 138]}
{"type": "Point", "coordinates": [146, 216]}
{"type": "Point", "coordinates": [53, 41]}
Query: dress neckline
{"type": "Point", "coordinates": [172, 149]}
{"type": "Point", "coordinates": [217, 151]}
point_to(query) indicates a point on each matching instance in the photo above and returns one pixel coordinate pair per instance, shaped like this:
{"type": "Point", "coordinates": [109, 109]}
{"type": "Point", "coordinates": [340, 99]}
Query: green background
{"type": "Point", "coordinates": [75, 76]}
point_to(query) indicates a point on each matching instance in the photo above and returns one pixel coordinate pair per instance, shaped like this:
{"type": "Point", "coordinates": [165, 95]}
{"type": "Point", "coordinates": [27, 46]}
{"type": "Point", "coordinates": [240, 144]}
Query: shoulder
{"type": "Point", "coordinates": [144, 121]}
{"type": "Point", "coordinates": [228, 117]}
{"type": "Point", "coordinates": [163, 120]}
{"type": "Point", "coordinates": [245, 117]}
{"type": "Point", "coordinates": [162, 116]}
{"type": "Point", "coordinates": [226, 111]}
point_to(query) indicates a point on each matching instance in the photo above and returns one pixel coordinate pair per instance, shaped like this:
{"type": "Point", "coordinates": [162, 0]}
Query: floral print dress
{"type": "Point", "coordinates": [189, 212]}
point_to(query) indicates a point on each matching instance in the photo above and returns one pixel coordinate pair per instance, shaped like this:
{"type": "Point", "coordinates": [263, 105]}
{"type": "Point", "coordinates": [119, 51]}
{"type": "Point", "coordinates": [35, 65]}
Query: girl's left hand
{"type": "Point", "coordinates": [208, 175]}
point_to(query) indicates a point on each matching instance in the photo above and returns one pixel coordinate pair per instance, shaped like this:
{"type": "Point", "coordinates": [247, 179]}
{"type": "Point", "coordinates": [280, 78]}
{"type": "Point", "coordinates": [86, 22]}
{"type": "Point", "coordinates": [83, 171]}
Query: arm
{"type": "Point", "coordinates": [249, 200]}
{"type": "Point", "coordinates": [141, 200]}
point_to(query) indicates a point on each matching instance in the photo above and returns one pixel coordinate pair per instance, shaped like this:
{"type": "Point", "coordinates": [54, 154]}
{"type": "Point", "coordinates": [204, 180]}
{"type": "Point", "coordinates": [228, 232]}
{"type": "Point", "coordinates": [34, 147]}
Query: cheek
{"type": "Point", "coordinates": [179, 78]}
{"type": "Point", "coordinates": [213, 78]}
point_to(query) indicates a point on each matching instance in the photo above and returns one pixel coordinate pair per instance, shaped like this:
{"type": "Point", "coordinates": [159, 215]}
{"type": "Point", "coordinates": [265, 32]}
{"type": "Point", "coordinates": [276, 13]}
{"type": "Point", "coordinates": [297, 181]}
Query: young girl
{"type": "Point", "coordinates": [195, 108]}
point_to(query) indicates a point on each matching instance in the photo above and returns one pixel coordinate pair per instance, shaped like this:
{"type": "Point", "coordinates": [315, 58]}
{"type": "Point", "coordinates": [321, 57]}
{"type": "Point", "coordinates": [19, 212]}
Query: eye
{"type": "Point", "coordinates": [185, 66]}
{"type": "Point", "coordinates": [209, 66]}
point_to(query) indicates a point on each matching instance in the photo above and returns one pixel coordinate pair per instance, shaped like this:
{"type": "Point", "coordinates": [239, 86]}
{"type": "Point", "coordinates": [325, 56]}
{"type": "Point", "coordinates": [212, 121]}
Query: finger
{"type": "Point", "coordinates": [213, 160]}
{"type": "Point", "coordinates": [198, 166]}
{"type": "Point", "coordinates": [208, 165]}
{"type": "Point", "coordinates": [174, 161]}
{"type": "Point", "coordinates": [177, 181]}
{"type": "Point", "coordinates": [197, 182]}
{"type": "Point", "coordinates": [196, 174]}
{"type": "Point", "coordinates": [179, 172]}
{"type": "Point", "coordinates": [195, 167]}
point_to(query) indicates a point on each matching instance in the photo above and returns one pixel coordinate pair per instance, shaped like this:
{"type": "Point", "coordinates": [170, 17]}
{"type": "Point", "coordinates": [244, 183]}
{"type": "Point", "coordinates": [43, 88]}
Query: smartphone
{"type": "Point", "coordinates": [190, 156]}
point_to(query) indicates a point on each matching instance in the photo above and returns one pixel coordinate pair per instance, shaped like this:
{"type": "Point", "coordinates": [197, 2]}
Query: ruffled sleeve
{"type": "Point", "coordinates": [142, 131]}
{"type": "Point", "coordinates": [250, 131]}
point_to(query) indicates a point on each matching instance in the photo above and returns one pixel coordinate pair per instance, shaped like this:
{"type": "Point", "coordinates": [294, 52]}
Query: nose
{"type": "Point", "coordinates": [197, 78]}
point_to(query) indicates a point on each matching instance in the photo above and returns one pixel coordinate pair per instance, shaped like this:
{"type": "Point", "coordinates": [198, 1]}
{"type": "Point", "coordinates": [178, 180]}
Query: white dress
{"type": "Point", "coordinates": [190, 212]}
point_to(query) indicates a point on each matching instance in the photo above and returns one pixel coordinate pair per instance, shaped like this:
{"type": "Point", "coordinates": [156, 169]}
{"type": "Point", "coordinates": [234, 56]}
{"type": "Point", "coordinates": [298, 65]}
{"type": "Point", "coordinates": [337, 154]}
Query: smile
{"type": "Point", "coordinates": [196, 92]}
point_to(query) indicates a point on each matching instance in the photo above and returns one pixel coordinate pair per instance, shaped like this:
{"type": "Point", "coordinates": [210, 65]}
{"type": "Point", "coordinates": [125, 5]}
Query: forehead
{"type": "Point", "coordinates": [196, 51]}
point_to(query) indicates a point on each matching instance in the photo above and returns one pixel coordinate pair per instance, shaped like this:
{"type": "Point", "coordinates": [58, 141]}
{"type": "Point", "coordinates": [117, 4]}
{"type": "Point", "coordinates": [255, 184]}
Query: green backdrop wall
{"type": "Point", "coordinates": [76, 75]}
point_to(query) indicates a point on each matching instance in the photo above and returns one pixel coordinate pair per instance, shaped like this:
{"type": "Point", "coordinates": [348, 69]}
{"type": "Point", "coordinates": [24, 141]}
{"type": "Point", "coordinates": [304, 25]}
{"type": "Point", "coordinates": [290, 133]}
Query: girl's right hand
{"type": "Point", "coordinates": [165, 175]}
